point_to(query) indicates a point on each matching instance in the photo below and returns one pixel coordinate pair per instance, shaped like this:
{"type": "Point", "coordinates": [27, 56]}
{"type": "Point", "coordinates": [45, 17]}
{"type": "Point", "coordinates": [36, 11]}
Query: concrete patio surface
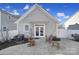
{"type": "Point", "coordinates": [68, 47]}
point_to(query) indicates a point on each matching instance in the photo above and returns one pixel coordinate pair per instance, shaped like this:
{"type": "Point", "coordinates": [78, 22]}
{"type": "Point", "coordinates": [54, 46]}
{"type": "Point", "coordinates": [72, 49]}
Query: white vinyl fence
{"type": "Point", "coordinates": [7, 34]}
{"type": "Point", "coordinates": [12, 33]}
{"type": "Point", "coordinates": [0, 36]}
{"type": "Point", "coordinates": [63, 33]}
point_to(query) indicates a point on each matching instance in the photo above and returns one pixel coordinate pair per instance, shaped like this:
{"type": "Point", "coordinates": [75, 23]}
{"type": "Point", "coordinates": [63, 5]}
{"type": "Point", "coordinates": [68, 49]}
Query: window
{"type": "Point", "coordinates": [27, 27]}
{"type": "Point", "coordinates": [4, 28]}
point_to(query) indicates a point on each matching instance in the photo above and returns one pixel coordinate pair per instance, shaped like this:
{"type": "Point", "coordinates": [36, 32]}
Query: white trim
{"type": "Point", "coordinates": [39, 32]}
{"type": "Point", "coordinates": [42, 10]}
{"type": "Point", "coordinates": [24, 27]}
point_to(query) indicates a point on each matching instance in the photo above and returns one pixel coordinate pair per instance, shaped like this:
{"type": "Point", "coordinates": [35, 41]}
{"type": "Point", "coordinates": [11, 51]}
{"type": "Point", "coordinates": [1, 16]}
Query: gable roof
{"type": "Point", "coordinates": [73, 19]}
{"type": "Point", "coordinates": [32, 9]}
{"type": "Point", "coordinates": [3, 11]}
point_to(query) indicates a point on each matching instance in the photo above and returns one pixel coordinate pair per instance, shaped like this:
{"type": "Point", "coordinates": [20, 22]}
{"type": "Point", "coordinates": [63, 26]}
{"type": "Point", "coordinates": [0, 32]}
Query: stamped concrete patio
{"type": "Point", "coordinates": [68, 47]}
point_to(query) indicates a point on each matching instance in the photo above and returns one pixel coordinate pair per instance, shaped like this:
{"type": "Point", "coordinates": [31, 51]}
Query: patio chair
{"type": "Point", "coordinates": [31, 42]}
{"type": "Point", "coordinates": [56, 42]}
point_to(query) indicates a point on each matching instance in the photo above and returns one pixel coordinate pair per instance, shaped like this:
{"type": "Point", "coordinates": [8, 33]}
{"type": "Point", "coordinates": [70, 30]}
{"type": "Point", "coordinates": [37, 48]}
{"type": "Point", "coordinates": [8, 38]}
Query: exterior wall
{"type": "Point", "coordinates": [0, 21]}
{"type": "Point", "coordinates": [0, 28]}
{"type": "Point", "coordinates": [74, 27]}
{"type": "Point", "coordinates": [37, 17]}
{"type": "Point", "coordinates": [8, 21]}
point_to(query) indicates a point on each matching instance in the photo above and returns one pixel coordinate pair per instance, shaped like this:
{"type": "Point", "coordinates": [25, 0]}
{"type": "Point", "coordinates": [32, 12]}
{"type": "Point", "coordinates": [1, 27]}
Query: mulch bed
{"type": "Point", "coordinates": [7, 44]}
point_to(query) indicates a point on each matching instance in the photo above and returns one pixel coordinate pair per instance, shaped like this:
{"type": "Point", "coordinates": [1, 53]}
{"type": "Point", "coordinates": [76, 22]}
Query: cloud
{"type": "Point", "coordinates": [15, 12]}
{"type": "Point", "coordinates": [26, 7]}
{"type": "Point", "coordinates": [62, 16]}
{"type": "Point", "coordinates": [8, 7]}
{"type": "Point", "coordinates": [3, 9]}
{"type": "Point", "coordinates": [48, 9]}
{"type": "Point", "coordinates": [66, 17]}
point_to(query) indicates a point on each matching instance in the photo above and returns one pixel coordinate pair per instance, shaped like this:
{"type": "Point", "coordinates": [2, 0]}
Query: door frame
{"type": "Point", "coordinates": [41, 25]}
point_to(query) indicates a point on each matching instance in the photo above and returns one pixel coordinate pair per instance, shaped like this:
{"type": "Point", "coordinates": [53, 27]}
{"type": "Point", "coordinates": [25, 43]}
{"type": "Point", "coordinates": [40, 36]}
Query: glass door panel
{"type": "Point", "coordinates": [41, 31]}
{"type": "Point", "coordinates": [37, 31]}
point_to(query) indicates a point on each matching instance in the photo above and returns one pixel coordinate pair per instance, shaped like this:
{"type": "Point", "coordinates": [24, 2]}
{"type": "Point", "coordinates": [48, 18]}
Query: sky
{"type": "Point", "coordinates": [61, 11]}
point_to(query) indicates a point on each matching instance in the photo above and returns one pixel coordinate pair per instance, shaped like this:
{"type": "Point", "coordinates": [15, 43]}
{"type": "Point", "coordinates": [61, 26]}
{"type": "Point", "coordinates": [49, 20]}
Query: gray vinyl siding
{"type": "Point", "coordinates": [74, 27]}
{"type": "Point", "coordinates": [8, 21]}
{"type": "Point", "coordinates": [37, 17]}
{"type": "Point", "coordinates": [0, 21]}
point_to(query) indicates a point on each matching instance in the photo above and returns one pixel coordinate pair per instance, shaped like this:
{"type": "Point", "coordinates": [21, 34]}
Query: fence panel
{"type": "Point", "coordinates": [12, 33]}
{"type": "Point", "coordinates": [62, 33]}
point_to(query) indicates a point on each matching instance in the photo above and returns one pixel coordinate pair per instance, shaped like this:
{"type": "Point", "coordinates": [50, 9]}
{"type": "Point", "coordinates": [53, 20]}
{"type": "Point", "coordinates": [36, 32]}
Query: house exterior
{"type": "Point", "coordinates": [37, 22]}
{"type": "Point", "coordinates": [73, 20]}
{"type": "Point", "coordinates": [7, 24]}
{"type": "Point", "coordinates": [7, 21]}
{"type": "Point", "coordinates": [73, 27]}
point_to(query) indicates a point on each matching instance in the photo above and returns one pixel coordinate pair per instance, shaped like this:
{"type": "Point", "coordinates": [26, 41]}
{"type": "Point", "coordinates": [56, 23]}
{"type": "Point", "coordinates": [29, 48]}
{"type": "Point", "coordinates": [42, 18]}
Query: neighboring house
{"type": "Point", "coordinates": [7, 21]}
{"type": "Point", "coordinates": [37, 22]}
{"type": "Point", "coordinates": [74, 27]}
{"type": "Point", "coordinates": [72, 20]}
{"type": "Point", "coordinates": [7, 24]}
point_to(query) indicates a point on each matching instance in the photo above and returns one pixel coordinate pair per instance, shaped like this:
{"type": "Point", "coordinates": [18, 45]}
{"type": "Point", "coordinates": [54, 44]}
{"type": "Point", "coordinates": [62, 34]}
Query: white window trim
{"type": "Point", "coordinates": [35, 30]}
{"type": "Point", "coordinates": [4, 26]}
{"type": "Point", "coordinates": [24, 28]}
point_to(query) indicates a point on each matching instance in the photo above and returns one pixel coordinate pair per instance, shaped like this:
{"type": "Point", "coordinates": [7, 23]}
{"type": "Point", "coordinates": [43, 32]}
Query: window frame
{"type": "Point", "coordinates": [42, 25]}
{"type": "Point", "coordinates": [5, 28]}
{"type": "Point", "coordinates": [28, 27]}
